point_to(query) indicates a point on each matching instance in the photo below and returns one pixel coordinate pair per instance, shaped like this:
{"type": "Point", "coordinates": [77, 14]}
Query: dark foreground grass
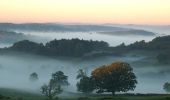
{"type": "Point", "coordinates": [121, 98]}
{"type": "Point", "coordinates": [11, 94]}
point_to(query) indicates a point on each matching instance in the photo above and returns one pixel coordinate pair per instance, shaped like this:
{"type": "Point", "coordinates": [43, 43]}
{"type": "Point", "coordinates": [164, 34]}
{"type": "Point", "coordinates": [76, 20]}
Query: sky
{"type": "Point", "coordinates": [154, 12]}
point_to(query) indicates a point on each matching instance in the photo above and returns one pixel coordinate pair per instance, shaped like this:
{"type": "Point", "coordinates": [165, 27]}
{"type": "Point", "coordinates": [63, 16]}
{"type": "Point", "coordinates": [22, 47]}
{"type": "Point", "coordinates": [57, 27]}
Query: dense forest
{"type": "Point", "coordinates": [79, 48]}
{"type": "Point", "coordinates": [63, 47]}
{"type": "Point", "coordinates": [159, 45]}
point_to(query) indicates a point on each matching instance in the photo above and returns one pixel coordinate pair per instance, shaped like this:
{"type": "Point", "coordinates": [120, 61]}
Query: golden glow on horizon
{"type": "Point", "coordinates": [86, 11]}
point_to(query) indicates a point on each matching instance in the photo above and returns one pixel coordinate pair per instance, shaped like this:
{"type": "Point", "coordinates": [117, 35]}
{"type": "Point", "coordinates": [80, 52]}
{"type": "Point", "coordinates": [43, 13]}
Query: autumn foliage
{"type": "Point", "coordinates": [115, 77]}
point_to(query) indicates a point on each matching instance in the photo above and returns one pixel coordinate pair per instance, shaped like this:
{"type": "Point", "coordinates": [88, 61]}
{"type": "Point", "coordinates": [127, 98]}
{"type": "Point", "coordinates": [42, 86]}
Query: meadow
{"type": "Point", "coordinates": [12, 94]}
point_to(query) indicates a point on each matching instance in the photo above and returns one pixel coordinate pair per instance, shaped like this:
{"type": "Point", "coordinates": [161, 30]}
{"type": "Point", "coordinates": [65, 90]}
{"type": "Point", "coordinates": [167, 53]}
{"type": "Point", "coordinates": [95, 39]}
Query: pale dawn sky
{"type": "Point", "coordinates": [86, 11]}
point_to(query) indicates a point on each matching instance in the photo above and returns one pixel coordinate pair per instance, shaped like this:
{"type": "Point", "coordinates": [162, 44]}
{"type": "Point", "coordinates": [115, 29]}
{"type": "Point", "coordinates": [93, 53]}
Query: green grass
{"type": "Point", "coordinates": [121, 98]}
{"type": "Point", "coordinates": [11, 94]}
{"type": "Point", "coordinates": [19, 95]}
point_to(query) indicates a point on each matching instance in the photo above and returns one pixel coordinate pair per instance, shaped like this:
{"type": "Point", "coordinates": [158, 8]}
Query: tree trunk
{"type": "Point", "coordinates": [113, 93]}
{"type": "Point", "coordinates": [50, 97]}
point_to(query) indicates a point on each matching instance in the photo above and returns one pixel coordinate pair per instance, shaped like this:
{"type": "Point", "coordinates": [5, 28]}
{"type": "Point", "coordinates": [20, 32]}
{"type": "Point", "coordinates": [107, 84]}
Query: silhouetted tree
{"type": "Point", "coordinates": [60, 78]}
{"type": "Point", "coordinates": [85, 83]}
{"type": "Point", "coordinates": [164, 57]}
{"type": "Point", "coordinates": [28, 46]}
{"type": "Point", "coordinates": [63, 47]}
{"type": "Point", "coordinates": [81, 74]}
{"type": "Point", "coordinates": [33, 76]}
{"type": "Point", "coordinates": [54, 87]}
{"type": "Point", "coordinates": [51, 90]}
{"type": "Point", "coordinates": [166, 87]}
{"type": "Point", "coordinates": [113, 78]}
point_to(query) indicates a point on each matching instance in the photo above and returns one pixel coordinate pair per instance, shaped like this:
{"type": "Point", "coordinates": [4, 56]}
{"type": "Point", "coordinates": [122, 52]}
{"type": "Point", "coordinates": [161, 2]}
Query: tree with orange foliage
{"type": "Point", "coordinates": [116, 77]}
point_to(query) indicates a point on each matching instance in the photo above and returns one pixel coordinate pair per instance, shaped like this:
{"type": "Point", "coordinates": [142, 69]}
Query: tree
{"type": "Point", "coordinates": [163, 57]}
{"type": "Point", "coordinates": [115, 77]}
{"type": "Point", "coordinates": [166, 87]}
{"type": "Point", "coordinates": [28, 46]}
{"type": "Point", "coordinates": [51, 90]}
{"type": "Point", "coordinates": [63, 47]}
{"type": "Point", "coordinates": [60, 78]}
{"type": "Point", "coordinates": [54, 87]}
{"type": "Point", "coordinates": [33, 76]}
{"type": "Point", "coordinates": [85, 84]}
{"type": "Point", "coordinates": [81, 74]}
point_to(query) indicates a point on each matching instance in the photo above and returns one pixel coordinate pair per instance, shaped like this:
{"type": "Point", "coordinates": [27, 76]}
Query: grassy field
{"type": "Point", "coordinates": [121, 98]}
{"type": "Point", "coordinates": [11, 94]}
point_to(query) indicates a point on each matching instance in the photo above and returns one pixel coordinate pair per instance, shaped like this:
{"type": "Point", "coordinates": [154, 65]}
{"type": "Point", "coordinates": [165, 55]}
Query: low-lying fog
{"type": "Point", "coordinates": [113, 40]}
{"type": "Point", "coordinates": [2, 45]}
{"type": "Point", "coordinates": [159, 29]}
{"type": "Point", "coordinates": [15, 69]}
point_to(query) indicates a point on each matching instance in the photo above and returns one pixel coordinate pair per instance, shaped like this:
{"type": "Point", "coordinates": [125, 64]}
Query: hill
{"type": "Point", "coordinates": [64, 47]}
{"type": "Point", "coordinates": [160, 46]}
{"type": "Point", "coordinates": [10, 37]}
{"type": "Point", "coordinates": [132, 32]}
{"type": "Point", "coordinates": [50, 27]}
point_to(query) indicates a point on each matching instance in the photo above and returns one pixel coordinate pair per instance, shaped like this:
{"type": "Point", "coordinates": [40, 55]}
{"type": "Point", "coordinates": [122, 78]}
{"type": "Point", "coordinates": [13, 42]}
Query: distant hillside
{"type": "Point", "coordinates": [57, 27]}
{"type": "Point", "coordinates": [129, 32]}
{"type": "Point", "coordinates": [81, 48]}
{"type": "Point", "coordinates": [159, 45]}
{"type": "Point", "coordinates": [45, 27]}
{"type": "Point", "coordinates": [159, 29]}
{"type": "Point", "coordinates": [68, 48]}
{"type": "Point", "coordinates": [10, 37]}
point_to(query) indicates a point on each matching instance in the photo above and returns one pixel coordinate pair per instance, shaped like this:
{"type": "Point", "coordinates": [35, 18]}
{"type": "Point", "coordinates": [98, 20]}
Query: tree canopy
{"type": "Point", "coordinates": [115, 77]}
{"type": "Point", "coordinates": [33, 76]}
{"type": "Point", "coordinates": [78, 48]}
{"type": "Point", "coordinates": [63, 47]}
{"type": "Point", "coordinates": [60, 78]}
{"type": "Point", "coordinates": [85, 84]}
{"type": "Point", "coordinates": [166, 87]}
{"type": "Point", "coordinates": [54, 87]}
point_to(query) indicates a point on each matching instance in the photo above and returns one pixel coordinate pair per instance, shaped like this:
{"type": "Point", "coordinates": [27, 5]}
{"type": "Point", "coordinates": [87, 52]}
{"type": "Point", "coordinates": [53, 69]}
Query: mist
{"type": "Point", "coordinates": [113, 40]}
{"type": "Point", "coordinates": [15, 70]}
{"type": "Point", "coordinates": [159, 29]}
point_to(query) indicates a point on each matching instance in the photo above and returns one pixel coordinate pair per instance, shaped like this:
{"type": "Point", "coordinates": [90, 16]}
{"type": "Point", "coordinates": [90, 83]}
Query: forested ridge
{"type": "Point", "coordinates": [79, 48]}
{"type": "Point", "coordinates": [159, 45]}
{"type": "Point", "coordinates": [63, 47]}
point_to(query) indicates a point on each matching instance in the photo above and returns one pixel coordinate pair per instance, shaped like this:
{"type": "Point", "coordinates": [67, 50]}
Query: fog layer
{"type": "Point", "coordinates": [15, 71]}
{"type": "Point", "coordinates": [113, 40]}
{"type": "Point", "coordinates": [16, 68]}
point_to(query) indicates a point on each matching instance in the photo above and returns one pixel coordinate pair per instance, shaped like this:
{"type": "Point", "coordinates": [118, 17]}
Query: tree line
{"type": "Point", "coordinates": [159, 45]}
{"type": "Point", "coordinates": [63, 47]}
{"type": "Point", "coordinates": [79, 48]}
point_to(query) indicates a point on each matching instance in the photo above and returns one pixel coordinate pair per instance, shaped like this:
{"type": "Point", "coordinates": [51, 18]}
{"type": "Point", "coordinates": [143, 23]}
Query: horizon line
{"type": "Point", "coordinates": [81, 23]}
